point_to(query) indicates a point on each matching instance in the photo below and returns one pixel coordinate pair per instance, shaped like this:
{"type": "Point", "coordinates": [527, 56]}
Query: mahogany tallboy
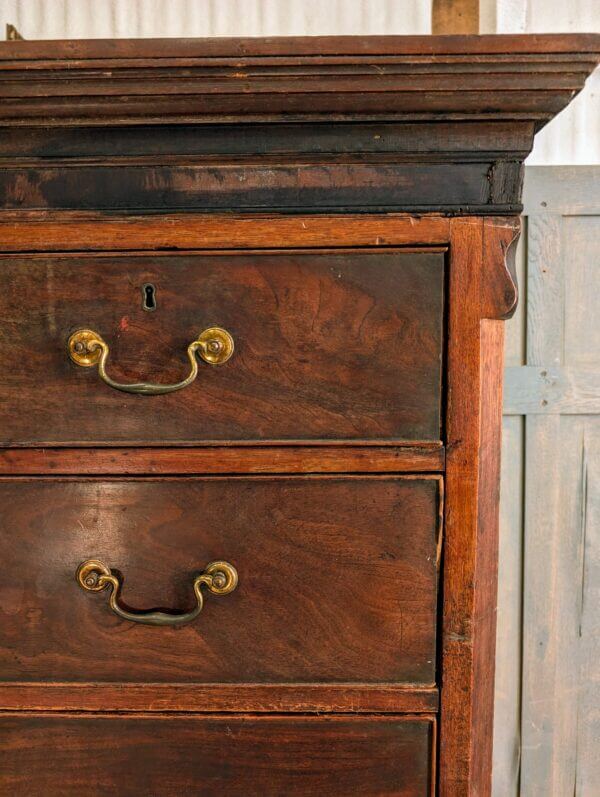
{"type": "Point", "coordinates": [252, 302]}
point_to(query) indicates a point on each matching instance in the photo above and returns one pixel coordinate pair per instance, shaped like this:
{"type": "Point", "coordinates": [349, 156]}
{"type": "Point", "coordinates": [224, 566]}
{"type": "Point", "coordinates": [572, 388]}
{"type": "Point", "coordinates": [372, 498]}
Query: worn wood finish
{"type": "Point", "coordinates": [477, 187]}
{"type": "Point", "coordinates": [384, 142]}
{"type": "Point", "coordinates": [471, 519]}
{"type": "Point", "coordinates": [454, 16]}
{"type": "Point", "coordinates": [343, 698]}
{"type": "Point", "coordinates": [353, 342]}
{"type": "Point", "coordinates": [390, 77]}
{"type": "Point", "coordinates": [360, 458]}
{"type": "Point", "coordinates": [381, 361]}
{"type": "Point", "coordinates": [330, 568]}
{"type": "Point", "coordinates": [31, 231]}
{"type": "Point", "coordinates": [404, 137]}
{"type": "Point", "coordinates": [132, 755]}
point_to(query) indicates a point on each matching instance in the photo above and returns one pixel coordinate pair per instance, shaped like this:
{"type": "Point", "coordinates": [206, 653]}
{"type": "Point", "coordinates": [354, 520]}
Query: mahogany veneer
{"type": "Point", "coordinates": [347, 209]}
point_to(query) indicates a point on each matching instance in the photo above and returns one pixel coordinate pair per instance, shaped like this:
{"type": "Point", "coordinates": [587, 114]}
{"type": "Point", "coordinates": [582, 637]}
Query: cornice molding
{"type": "Point", "coordinates": [395, 78]}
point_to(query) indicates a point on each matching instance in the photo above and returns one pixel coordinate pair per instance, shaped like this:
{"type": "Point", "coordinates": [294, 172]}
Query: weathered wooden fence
{"type": "Point", "coordinates": [547, 734]}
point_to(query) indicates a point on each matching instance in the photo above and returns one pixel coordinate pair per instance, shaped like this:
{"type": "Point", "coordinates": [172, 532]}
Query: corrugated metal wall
{"type": "Point", "coordinates": [53, 19]}
{"type": "Point", "coordinates": [548, 668]}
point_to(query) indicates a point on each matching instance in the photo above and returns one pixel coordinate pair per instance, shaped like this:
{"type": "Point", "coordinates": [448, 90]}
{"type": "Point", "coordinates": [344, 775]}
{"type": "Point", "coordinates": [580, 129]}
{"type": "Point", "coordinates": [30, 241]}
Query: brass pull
{"type": "Point", "coordinates": [87, 348]}
{"type": "Point", "coordinates": [220, 578]}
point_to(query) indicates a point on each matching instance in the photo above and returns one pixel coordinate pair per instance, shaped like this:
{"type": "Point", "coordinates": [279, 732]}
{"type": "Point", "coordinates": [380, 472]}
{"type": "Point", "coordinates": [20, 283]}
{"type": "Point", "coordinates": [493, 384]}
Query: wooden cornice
{"type": "Point", "coordinates": [415, 124]}
{"type": "Point", "coordinates": [396, 78]}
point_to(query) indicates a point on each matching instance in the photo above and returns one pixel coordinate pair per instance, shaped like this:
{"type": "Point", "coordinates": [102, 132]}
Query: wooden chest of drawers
{"type": "Point", "coordinates": [250, 407]}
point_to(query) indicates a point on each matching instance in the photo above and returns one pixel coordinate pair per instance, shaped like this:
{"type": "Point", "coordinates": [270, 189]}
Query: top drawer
{"type": "Point", "coordinates": [328, 346]}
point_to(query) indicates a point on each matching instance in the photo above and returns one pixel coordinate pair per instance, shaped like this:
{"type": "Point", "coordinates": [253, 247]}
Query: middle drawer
{"type": "Point", "coordinates": [337, 579]}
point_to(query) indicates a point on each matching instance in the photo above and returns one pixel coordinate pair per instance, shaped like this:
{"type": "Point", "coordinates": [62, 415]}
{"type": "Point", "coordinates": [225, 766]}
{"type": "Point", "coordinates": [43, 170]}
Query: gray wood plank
{"type": "Point", "coordinates": [514, 348]}
{"type": "Point", "coordinates": [548, 749]}
{"type": "Point", "coordinates": [581, 236]}
{"type": "Point", "coordinates": [556, 386]}
{"type": "Point", "coordinates": [565, 190]}
{"type": "Point", "coordinates": [545, 290]}
{"type": "Point", "coordinates": [535, 390]}
{"type": "Point", "coordinates": [507, 730]}
{"type": "Point", "coordinates": [551, 606]}
{"type": "Point", "coordinates": [588, 707]}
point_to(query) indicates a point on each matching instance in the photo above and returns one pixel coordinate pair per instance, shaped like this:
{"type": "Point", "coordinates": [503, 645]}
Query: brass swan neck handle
{"type": "Point", "coordinates": [220, 578]}
{"type": "Point", "coordinates": [87, 348]}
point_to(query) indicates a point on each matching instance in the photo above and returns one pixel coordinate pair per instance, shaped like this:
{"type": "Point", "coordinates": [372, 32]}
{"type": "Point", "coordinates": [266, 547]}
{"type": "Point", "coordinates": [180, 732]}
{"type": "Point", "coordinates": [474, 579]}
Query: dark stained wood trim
{"type": "Point", "coordinates": [185, 144]}
{"type": "Point", "coordinates": [254, 698]}
{"type": "Point", "coordinates": [454, 167]}
{"type": "Point", "coordinates": [262, 459]}
{"type": "Point", "coordinates": [470, 186]}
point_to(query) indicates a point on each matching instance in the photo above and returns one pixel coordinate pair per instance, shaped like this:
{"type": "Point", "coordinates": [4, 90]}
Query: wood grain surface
{"type": "Point", "coordinates": [168, 756]}
{"type": "Point", "coordinates": [321, 78]}
{"type": "Point", "coordinates": [337, 579]}
{"type": "Point", "coordinates": [328, 346]}
{"type": "Point", "coordinates": [325, 458]}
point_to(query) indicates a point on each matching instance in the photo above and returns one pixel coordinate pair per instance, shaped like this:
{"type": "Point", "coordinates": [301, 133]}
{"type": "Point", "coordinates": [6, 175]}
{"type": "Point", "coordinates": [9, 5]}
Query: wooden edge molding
{"type": "Point", "coordinates": [201, 698]}
{"type": "Point", "coordinates": [64, 232]}
{"type": "Point", "coordinates": [499, 287]}
{"type": "Point", "coordinates": [215, 460]}
{"type": "Point", "coordinates": [314, 47]}
{"type": "Point", "coordinates": [160, 81]}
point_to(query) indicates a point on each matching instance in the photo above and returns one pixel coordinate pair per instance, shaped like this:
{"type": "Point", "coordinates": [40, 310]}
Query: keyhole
{"type": "Point", "coordinates": [149, 297]}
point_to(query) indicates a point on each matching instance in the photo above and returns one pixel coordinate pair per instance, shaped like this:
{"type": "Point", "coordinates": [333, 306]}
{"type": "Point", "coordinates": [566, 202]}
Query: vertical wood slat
{"type": "Point", "coordinates": [559, 708]}
{"type": "Point", "coordinates": [542, 636]}
{"type": "Point", "coordinates": [560, 713]}
{"type": "Point", "coordinates": [507, 708]}
{"type": "Point", "coordinates": [454, 16]}
{"type": "Point", "coordinates": [588, 730]}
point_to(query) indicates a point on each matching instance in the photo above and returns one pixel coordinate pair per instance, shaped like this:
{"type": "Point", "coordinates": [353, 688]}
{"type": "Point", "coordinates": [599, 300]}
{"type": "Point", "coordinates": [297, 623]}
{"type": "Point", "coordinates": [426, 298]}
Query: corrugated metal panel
{"type": "Point", "coordinates": [56, 19]}
{"type": "Point", "coordinates": [574, 136]}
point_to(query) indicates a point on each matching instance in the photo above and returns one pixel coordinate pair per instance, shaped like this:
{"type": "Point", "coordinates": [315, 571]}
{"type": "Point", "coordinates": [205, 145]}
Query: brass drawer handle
{"type": "Point", "coordinates": [87, 348]}
{"type": "Point", "coordinates": [220, 578]}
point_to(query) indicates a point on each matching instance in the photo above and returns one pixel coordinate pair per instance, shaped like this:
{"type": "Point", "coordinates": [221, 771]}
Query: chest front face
{"type": "Point", "coordinates": [250, 400]}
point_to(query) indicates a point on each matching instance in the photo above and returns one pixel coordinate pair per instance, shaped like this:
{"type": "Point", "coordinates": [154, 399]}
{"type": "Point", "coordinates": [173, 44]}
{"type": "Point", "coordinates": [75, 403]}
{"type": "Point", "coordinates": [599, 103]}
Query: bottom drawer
{"type": "Point", "coordinates": [152, 755]}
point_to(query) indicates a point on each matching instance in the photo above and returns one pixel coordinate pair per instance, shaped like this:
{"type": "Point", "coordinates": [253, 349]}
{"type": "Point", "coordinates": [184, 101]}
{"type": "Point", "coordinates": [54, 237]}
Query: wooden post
{"type": "Point", "coordinates": [455, 16]}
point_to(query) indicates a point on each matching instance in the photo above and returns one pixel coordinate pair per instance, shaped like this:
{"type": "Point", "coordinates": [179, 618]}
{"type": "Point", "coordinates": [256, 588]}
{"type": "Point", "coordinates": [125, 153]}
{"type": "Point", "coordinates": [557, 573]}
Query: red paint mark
{"type": "Point", "coordinates": [124, 323]}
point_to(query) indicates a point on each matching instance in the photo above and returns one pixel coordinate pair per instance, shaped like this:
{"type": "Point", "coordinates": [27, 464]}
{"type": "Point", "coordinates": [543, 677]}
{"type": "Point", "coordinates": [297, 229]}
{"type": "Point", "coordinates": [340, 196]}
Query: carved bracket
{"type": "Point", "coordinates": [499, 290]}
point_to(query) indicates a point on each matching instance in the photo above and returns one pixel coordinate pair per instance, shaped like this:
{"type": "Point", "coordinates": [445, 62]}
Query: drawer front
{"type": "Point", "coordinates": [337, 579]}
{"type": "Point", "coordinates": [328, 346]}
{"type": "Point", "coordinates": [269, 756]}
